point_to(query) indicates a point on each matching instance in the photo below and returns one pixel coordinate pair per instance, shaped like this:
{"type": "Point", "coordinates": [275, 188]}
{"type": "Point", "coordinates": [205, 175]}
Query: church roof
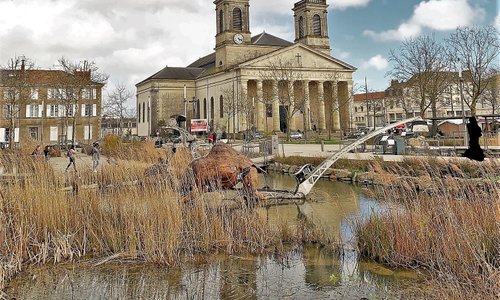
{"type": "Point", "coordinates": [266, 39]}
{"type": "Point", "coordinates": [263, 39]}
{"type": "Point", "coordinates": [205, 65]}
{"type": "Point", "coordinates": [175, 73]}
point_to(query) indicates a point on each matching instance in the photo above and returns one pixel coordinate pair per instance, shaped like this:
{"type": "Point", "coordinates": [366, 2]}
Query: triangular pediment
{"type": "Point", "coordinates": [299, 55]}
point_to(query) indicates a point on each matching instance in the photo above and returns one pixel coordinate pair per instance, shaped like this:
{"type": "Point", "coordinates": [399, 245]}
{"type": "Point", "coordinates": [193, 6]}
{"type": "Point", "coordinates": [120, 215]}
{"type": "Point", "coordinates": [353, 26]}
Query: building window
{"type": "Point", "coordinates": [139, 113]}
{"type": "Point", "coordinates": [301, 27]}
{"type": "Point", "coordinates": [212, 108]}
{"type": "Point", "coordinates": [237, 22]}
{"type": "Point", "coordinates": [205, 108]}
{"type": "Point", "coordinates": [143, 112]}
{"type": "Point", "coordinates": [34, 111]}
{"type": "Point", "coordinates": [10, 111]}
{"type": "Point", "coordinates": [89, 93]}
{"type": "Point", "coordinates": [11, 94]}
{"type": "Point", "coordinates": [88, 110]}
{"type": "Point", "coordinates": [316, 25]}
{"type": "Point", "coordinates": [34, 94]}
{"type": "Point", "coordinates": [221, 107]}
{"type": "Point", "coordinates": [53, 110]}
{"type": "Point", "coordinates": [221, 21]}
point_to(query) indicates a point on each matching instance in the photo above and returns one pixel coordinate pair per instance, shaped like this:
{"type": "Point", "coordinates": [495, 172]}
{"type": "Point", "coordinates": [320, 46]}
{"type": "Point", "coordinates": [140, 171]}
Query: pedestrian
{"type": "Point", "coordinates": [211, 138]}
{"type": "Point", "coordinates": [36, 152]}
{"type": "Point", "coordinates": [71, 157]}
{"type": "Point", "coordinates": [96, 155]}
{"type": "Point", "coordinates": [474, 152]}
{"type": "Point", "coordinates": [46, 152]}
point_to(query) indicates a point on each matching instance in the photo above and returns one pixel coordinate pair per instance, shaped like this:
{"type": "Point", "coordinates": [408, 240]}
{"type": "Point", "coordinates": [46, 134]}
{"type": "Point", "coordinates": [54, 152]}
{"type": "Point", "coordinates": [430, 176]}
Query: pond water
{"type": "Point", "coordinates": [302, 273]}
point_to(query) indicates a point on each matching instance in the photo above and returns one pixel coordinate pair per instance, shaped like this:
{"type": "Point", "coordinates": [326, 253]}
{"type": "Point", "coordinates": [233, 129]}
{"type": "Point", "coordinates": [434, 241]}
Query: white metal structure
{"type": "Point", "coordinates": [305, 185]}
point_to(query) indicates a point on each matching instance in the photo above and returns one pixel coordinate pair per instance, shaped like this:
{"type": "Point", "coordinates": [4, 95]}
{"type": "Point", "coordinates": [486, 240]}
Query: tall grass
{"type": "Point", "coordinates": [447, 224]}
{"type": "Point", "coordinates": [41, 222]}
{"type": "Point", "coordinates": [144, 151]}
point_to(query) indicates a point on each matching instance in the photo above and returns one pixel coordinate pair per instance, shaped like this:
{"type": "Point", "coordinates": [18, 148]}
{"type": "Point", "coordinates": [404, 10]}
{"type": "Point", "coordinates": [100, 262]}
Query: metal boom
{"type": "Point", "coordinates": [305, 186]}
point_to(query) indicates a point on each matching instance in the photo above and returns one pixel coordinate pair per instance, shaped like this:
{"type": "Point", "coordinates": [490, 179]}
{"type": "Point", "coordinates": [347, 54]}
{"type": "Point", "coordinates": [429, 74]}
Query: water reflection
{"type": "Point", "coordinates": [332, 205]}
{"type": "Point", "coordinates": [310, 273]}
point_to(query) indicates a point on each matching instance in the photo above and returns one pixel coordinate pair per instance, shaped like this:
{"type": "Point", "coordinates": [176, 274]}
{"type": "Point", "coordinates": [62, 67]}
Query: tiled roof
{"type": "Point", "coordinates": [176, 73]}
{"type": "Point", "coordinates": [40, 77]}
{"type": "Point", "coordinates": [266, 39]}
{"type": "Point", "coordinates": [206, 64]}
{"type": "Point", "coordinates": [370, 96]}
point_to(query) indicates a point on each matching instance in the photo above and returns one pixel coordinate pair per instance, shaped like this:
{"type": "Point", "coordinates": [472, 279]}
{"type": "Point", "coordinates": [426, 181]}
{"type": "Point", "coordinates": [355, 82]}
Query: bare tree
{"type": "Point", "coordinates": [285, 74]}
{"type": "Point", "coordinates": [492, 93]}
{"type": "Point", "coordinates": [83, 77]}
{"type": "Point", "coordinates": [16, 91]}
{"type": "Point", "coordinates": [421, 63]}
{"type": "Point", "coordinates": [475, 49]}
{"type": "Point", "coordinates": [115, 105]}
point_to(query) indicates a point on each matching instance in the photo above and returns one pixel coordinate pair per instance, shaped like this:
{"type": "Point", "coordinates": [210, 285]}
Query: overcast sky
{"type": "Point", "coordinates": [132, 39]}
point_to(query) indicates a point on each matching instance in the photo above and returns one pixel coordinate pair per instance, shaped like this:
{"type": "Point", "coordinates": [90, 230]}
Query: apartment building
{"type": "Point", "coordinates": [49, 106]}
{"type": "Point", "coordinates": [398, 102]}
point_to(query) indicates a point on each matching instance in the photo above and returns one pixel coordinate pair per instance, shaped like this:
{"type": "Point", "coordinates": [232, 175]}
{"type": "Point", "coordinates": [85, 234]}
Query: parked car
{"type": "Point", "coordinates": [420, 126]}
{"type": "Point", "coordinates": [295, 135]}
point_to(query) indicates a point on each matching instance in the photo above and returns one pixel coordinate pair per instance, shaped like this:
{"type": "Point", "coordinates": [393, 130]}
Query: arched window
{"type": "Point", "coordinates": [139, 113]}
{"type": "Point", "coordinates": [301, 27]}
{"type": "Point", "coordinates": [221, 107]}
{"type": "Point", "coordinates": [316, 25]}
{"type": "Point", "coordinates": [221, 21]}
{"type": "Point", "coordinates": [205, 108]}
{"type": "Point", "coordinates": [237, 22]}
{"type": "Point", "coordinates": [212, 108]}
{"type": "Point", "coordinates": [143, 112]}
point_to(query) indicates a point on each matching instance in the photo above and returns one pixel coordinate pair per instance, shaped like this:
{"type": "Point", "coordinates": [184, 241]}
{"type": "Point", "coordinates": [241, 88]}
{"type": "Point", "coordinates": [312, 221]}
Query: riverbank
{"type": "Point", "coordinates": [41, 222]}
{"type": "Point", "coordinates": [447, 223]}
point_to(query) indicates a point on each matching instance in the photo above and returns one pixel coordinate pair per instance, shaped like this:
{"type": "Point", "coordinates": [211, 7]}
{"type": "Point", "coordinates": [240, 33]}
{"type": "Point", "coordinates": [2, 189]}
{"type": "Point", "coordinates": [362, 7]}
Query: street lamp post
{"type": "Point", "coordinates": [462, 104]}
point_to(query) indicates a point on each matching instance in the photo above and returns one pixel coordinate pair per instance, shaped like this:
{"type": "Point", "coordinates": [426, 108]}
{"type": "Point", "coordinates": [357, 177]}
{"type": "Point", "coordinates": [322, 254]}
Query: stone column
{"type": "Point", "coordinates": [321, 100]}
{"type": "Point", "coordinates": [291, 107]}
{"type": "Point", "coordinates": [245, 109]}
{"type": "Point", "coordinates": [307, 106]}
{"type": "Point", "coordinates": [335, 107]}
{"type": "Point", "coordinates": [260, 108]}
{"type": "Point", "coordinates": [276, 107]}
{"type": "Point", "coordinates": [345, 99]}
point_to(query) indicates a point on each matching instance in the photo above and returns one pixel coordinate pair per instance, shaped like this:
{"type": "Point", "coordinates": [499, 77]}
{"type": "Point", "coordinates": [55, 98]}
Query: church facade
{"type": "Point", "coordinates": [257, 82]}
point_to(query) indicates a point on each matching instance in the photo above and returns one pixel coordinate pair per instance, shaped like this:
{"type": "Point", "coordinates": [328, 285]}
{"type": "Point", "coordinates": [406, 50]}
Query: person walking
{"type": "Point", "coordinates": [96, 155]}
{"type": "Point", "coordinates": [36, 152]}
{"type": "Point", "coordinates": [46, 152]}
{"type": "Point", "coordinates": [71, 157]}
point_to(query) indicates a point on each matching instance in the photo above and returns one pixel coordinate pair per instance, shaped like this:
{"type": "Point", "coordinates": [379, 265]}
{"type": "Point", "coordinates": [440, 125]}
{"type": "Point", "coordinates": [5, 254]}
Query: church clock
{"type": "Point", "coordinates": [238, 38]}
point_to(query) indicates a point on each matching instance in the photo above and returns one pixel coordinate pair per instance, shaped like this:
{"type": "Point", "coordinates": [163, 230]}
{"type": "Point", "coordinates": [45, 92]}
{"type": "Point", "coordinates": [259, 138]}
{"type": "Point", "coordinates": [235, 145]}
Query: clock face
{"type": "Point", "coordinates": [238, 38]}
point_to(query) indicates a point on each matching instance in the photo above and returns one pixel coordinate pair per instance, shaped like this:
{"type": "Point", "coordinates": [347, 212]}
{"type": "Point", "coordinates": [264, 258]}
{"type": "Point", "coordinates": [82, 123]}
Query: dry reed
{"type": "Point", "coordinates": [447, 223]}
{"type": "Point", "coordinates": [41, 222]}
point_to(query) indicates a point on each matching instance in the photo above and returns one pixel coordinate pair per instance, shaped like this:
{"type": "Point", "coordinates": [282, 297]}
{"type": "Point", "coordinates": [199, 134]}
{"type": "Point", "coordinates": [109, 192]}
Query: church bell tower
{"type": "Point", "coordinates": [233, 30]}
{"type": "Point", "coordinates": [311, 24]}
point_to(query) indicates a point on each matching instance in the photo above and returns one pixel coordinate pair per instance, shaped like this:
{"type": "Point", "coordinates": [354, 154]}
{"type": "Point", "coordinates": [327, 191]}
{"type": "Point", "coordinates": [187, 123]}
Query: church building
{"type": "Point", "coordinates": [257, 82]}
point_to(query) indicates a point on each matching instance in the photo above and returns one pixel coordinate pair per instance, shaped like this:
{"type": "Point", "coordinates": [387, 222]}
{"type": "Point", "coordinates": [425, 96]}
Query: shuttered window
{"type": "Point", "coordinates": [237, 22]}
{"type": "Point", "coordinates": [301, 27]}
{"type": "Point", "coordinates": [221, 21]}
{"type": "Point", "coordinates": [316, 25]}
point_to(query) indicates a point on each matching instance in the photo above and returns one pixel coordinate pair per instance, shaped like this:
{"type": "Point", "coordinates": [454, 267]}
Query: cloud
{"type": "Point", "coordinates": [377, 62]}
{"type": "Point", "coordinates": [497, 22]}
{"type": "Point", "coordinates": [344, 4]}
{"type": "Point", "coordinates": [439, 15]}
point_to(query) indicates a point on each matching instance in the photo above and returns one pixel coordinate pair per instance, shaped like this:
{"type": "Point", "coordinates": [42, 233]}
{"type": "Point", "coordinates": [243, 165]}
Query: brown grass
{"type": "Point", "coordinates": [447, 224]}
{"type": "Point", "coordinates": [40, 222]}
{"type": "Point", "coordinates": [144, 151]}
